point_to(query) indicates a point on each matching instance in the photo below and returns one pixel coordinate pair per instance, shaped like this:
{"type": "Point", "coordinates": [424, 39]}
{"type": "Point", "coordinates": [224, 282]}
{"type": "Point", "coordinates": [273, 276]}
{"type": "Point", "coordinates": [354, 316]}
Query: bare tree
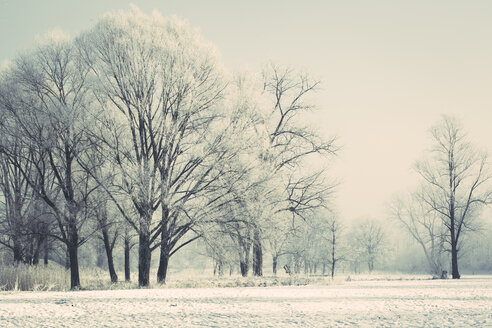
{"type": "Point", "coordinates": [336, 253]}
{"type": "Point", "coordinates": [368, 241]}
{"type": "Point", "coordinates": [456, 176]}
{"type": "Point", "coordinates": [291, 144]}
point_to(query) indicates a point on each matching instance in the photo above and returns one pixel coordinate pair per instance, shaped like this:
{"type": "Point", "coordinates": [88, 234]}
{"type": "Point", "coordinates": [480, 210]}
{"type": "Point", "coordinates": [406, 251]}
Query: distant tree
{"type": "Point", "coordinates": [368, 239]}
{"type": "Point", "coordinates": [335, 249]}
{"type": "Point", "coordinates": [456, 177]}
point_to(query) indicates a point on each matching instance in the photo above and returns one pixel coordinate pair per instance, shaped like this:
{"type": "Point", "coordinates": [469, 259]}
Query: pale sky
{"type": "Point", "coordinates": [389, 69]}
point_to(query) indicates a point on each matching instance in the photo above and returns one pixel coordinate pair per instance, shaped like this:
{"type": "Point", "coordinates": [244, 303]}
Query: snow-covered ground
{"type": "Point", "coordinates": [405, 303]}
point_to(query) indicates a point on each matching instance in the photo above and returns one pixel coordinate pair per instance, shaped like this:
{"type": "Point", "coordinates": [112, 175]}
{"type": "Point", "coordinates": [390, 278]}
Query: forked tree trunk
{"type": "Point", "coordinates": [109, 254]}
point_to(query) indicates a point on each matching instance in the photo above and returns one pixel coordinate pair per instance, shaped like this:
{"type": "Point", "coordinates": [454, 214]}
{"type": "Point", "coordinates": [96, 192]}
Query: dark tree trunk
{"type": "Point", "coordinates": [144, 258]}
{"type": "Point", "coordinates": [39, 243]}
{"type": "Point", "coordinates": [127, 259]}
{"type": "Point", "coordinates": [333, 262]}
{"type": "Point", "coordinates": [454, 261]}
{"type": "Point", "coordinates": [46, 251]}
{"type": "Point", "coordinates": [17, 251]}
{"type": "Point", "coordinates": [74, 266]}
{"type": "Point", "coordinates": [162, 271]}
{"type": "Point", "coordinates": [274, 265]}
{"type": "Point", "coordinates": [244, 253]}
{"type": "Point", "coordinates": [108, 246]}
{"type": "Point", "coordinates": [257, 254]}
{"type": "Point", "coordinates": [454, 250]}
{"type": "Point", "coordinates": [244, 268]}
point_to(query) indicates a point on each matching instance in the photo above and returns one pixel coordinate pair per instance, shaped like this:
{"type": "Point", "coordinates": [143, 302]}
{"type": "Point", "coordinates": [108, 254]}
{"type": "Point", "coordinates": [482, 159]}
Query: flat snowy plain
{"type": "Point", "coordinates": [398, 303]}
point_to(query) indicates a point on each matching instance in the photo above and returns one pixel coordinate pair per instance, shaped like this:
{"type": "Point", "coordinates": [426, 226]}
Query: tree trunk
{"type": "Point", "coordinates": [17, 251]}
{"type": "Point", "coordinates": [74, 266]}
{"type": "Point", "coordinates": [37, 250]}
{"type": "Point", "coordinates": [144, 258]}
{"type": "Point", "coordinates": [454, 251]}
{"type": "Point", "coordinates": [163, 265]}
{"type": "Point", "coordinates": [454, 261]}
{"type": "Point", "coordinates": [109, 254]}
{"type": "Point", "coordinates": [333, 262]}
{"type": "Point", "coordinates": [257, 254]}
{"type": "Point", "coordinates": [324, 269]}
{"type": "Point", "coordinates": [127, 259]}
{"type": "Point", "coordinates": [244, 268]}
{"type": "Point", "coordinates": [46, 251]}
{"type": "Point", "coordinates": [275, 262]}
{"type": "Point", "coordinates": [220, 268]}
{"type": "Point", "coordinates": [244, 256]}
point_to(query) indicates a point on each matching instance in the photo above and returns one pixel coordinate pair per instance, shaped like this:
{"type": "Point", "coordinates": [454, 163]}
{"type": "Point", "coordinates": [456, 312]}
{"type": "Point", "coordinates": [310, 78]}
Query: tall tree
{"type": "Point", "coordinates": [47, 97]}
{"type": "Point", "coordinates": [159, 84]}
{"type": "Point", "coordinates": [456, 176]}
{"type": "Point", "coordinates": [291, 144]}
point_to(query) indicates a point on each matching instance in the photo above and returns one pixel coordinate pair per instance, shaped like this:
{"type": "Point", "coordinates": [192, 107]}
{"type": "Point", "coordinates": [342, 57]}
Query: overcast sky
{"type": "Point", "coordinates": [389, 69]}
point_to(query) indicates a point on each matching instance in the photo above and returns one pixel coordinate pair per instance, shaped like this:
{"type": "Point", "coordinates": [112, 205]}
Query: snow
{"type": "Point", "coordinates": [398, 303]}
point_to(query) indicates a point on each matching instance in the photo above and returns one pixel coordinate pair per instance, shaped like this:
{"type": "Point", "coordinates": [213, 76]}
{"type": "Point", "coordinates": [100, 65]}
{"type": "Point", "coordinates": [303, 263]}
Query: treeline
{"type": "Point", "coordinates": [134, 131]}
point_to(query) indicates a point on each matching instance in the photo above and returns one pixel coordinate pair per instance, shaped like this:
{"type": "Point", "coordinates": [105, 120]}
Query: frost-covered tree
{"type": "Point", "coordinates": [160, 86]}
{"type": "Point", "coordinates": [46, 95]}
{"type": "Point", "coordinates": [456, 177]}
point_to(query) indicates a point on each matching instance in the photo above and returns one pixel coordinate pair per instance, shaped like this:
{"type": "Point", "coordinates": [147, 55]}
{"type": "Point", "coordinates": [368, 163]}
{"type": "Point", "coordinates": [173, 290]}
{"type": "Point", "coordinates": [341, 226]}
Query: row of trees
{"type": "Point", "coordinates": [133, 128]}
{"type": "Point", "coordinates": [134, 131]}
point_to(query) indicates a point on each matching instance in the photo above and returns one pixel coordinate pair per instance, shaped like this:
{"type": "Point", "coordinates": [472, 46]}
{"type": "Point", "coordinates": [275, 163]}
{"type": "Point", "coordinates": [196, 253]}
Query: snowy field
{"type": "Point", "coordinates": [399, 303]}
